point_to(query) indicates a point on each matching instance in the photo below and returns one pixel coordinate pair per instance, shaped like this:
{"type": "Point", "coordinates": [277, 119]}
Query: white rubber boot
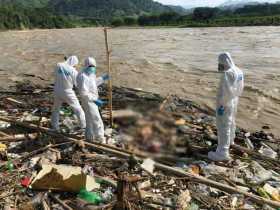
{"type": "Point", "coordinates": [219, 156]}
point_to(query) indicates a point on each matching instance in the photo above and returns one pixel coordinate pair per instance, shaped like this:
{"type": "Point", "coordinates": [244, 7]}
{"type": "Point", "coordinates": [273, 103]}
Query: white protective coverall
{"type": "Point", "coordinates": [65, 80]}
{"type": "Point", "coordinates": [88, 89]}
{"type": "Point", "coordinates": [230, 88]}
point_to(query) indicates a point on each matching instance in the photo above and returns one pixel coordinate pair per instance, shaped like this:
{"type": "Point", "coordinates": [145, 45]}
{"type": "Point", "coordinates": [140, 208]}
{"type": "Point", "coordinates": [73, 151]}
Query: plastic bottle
{"type": "Point", "coordinates": [67, 112]}
{"type": "Point", "coordinates": [90, 197]}
{"type": "Point", "coordinates": [107, 195]}
{"type": "Point", "coordinates": [10, 166]}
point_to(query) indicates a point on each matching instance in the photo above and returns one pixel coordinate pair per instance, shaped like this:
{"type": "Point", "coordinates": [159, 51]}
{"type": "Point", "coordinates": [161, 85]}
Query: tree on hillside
{"type": "Point", "coordinates": [205, 13]}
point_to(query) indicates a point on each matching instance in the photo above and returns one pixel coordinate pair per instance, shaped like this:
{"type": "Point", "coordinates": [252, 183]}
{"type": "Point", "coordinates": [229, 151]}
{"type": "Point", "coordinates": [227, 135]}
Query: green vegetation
{"type": "Point", "coordinates": [26, 3]}
{"type": "Point", "coordinates": [15, 17]}
{"type": "Point", "coordinates": [20, 14]}
{"type": "Point", "coordinates": [107, 9]}
{"type": "Point", "coordinates": [253, 15]}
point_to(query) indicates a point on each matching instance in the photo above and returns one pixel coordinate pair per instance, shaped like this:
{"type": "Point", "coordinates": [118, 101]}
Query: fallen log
{"type": "Point", "coordinates": [168, 169]}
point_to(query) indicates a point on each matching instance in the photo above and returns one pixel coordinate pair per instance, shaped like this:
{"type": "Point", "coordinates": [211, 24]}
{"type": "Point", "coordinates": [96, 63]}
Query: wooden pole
{"type": "Point", "coordinates": [110, 89]}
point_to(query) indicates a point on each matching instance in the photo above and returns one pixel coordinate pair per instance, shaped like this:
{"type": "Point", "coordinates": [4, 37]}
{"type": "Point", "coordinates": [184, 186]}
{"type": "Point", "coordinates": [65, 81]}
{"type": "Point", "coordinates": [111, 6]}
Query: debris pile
{"type": "Point", "coordinates": [155, 157]}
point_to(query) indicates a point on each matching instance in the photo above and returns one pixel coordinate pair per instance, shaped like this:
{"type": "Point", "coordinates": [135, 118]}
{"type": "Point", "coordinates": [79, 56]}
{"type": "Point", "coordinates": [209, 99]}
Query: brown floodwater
{"type": "Point", "coordinates": [167, 61]}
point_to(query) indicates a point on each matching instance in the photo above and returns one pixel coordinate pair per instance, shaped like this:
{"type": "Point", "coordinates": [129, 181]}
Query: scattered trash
{"type": "Point", "coordinates": [3, 147]}
{"type": "Point", "coordinates": [183, 199]}
{"type": "Point", "coordinates": [4, 125]}
{"type": "Point", "coordinates": [273, 192]}
{"type": "Point", "coordinates": [148, 165]}
{"type": "Point", "coordinates": [63, 178]}
{"type": "Point", "coordinates": [180, 122]}
{"type": "Point", "coordinates": [66, 111]}
{"type": "Point", "coordinates": [193, 206]}
{"type": "Point", "coordinates": [107, 195]}
{"type": "Point", "coordinates": [13, 101]}
{"type": "Point", "coordinates": [249, 144]}
{"type": "Point", "coordinates": [172, 131]}
{"type": "Point", "coordinates": [10, 166]}
{"type": "Point", "coordinates": [25, 182]}
{"type": "Point", "coordinates": [260, 175]}
{"type": "Point", "coordinates": [68, 123]}
{"type": "Point", "coordinates": [267, 151]}
{"type": "Point", "coordinates": [90, 197]}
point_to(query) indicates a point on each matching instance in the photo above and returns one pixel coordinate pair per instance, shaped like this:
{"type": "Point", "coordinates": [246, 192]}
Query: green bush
{"type": "Point", "coordinates": [117, 21]}
{"type": "Point", "coordinates": [130, 21]}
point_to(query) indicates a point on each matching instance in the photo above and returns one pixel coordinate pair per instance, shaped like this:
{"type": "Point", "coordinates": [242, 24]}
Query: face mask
{"type": "Point", "coordinates": [91, 70]}
{"type": "Point", "coordinates": [221, 68]}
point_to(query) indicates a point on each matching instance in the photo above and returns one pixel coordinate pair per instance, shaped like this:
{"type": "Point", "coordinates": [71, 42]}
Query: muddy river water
{"type": "Point", "coordinates": [166, 61]}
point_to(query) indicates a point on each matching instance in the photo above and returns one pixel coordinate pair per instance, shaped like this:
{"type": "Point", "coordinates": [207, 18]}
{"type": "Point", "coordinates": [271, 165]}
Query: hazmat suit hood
{"type": "Point", "coordinates": [72, 61]}
{"type": "Point", "coordinates": [232, 79]}
{"type": "Point", "coordinates": [90, 62]}
{"type": "Point", "coordinates": [225, 62]}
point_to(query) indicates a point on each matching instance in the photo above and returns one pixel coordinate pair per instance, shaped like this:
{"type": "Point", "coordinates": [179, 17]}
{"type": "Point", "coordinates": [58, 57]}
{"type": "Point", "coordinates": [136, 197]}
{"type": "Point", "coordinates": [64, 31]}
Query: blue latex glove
{"type": "Point", "coordinates": [105, 77]}
{"type": "Point", "coordinates": [221, 111]}
{"type": "Point", "coordinates": [99, 102]}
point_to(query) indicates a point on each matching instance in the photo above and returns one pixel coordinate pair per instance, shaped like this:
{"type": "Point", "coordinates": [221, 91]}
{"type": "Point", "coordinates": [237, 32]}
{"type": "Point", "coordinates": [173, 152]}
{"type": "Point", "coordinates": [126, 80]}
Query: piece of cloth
{"type": "Point", "coordinates": [65, 80]}
{"type": "Point", "coordinates": [88, 89]}
{"type": "Point", "coordinates": [230, 88]}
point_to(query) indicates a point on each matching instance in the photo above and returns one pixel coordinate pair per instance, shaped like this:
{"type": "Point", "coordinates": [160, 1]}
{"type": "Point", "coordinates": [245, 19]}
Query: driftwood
{"type": "Point", "coordinates": [168, 169]}
{"type": "Point", "coordinates": [56, 199]}
{"type": "Point", "coordinates": [83, 205]}
{"type": "Point", "coordinates": [4, 134]}
{"type": "Point", "coordinates": [18, 137]}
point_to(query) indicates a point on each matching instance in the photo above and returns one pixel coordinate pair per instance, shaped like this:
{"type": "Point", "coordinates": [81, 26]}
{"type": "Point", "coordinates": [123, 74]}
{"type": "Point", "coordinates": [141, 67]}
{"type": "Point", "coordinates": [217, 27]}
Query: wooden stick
{"type": "Point", "coordinates": [4, 134]}
{"type": "Point", "coordinates": [62, 203]}
{"type": "Point", "coordinates": [18, 137]}
{"type": "Point", "coordinates": [168, 169]}
{"type": "Point", "coordinates": [110, 89]}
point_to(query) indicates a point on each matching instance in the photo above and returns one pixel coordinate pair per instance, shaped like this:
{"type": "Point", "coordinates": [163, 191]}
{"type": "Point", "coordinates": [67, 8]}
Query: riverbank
{"type": "Point", "coordinates": [164, 61]}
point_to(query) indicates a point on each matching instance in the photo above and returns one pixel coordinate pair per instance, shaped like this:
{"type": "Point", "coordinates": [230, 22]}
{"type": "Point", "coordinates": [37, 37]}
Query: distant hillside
{"type": "Point", "coordinates": [104, 9]}
{"type": "Point", "coordinates": [26, 3]}
{"type": "Point", "coordinates": [179, 9]}
{"type": "Point", "coordinates": [233, 4]}
{"type": "Point", "coordinates": [108, 8]}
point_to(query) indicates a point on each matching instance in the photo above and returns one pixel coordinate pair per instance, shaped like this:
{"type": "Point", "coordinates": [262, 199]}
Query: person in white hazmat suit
{"type": "Point", "coordinates": [88, 88]}
{"type": "Point", "coordinates": [65, 80]}
{"type": "Point", "coordinates": [230, 88]}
